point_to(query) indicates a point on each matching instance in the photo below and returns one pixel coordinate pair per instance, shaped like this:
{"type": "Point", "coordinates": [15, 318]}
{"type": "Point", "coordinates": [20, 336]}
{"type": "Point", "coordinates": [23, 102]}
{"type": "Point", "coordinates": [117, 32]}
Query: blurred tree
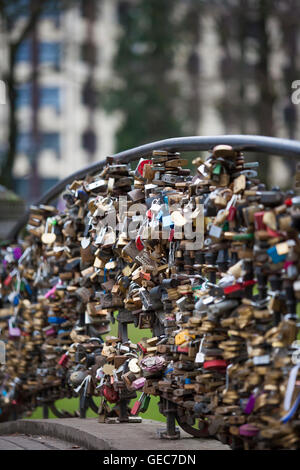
{"type": "Point", "coordinates": [189, 29]}
{"type": "Point", "coordinates": [10, 12]}
{"type": "Point", "coordinates": [254, 90]}
{"type": "Point", "coordinates": [288, 13]}
{"type": "Point", "coordinates": [147, 93]}
{"type": "Point", "coordinates": [248, 102]}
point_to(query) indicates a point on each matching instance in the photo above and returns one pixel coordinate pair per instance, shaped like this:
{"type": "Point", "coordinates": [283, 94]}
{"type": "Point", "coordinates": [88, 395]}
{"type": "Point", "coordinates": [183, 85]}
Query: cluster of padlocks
{"type": "Point", "coordinates": [209, 262]}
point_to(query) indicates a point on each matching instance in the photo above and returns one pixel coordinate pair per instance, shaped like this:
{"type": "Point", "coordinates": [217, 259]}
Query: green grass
{"type": "Point", "coordinates": [72, 404]}
{"type": "Point", "coordinates": [135, 335]}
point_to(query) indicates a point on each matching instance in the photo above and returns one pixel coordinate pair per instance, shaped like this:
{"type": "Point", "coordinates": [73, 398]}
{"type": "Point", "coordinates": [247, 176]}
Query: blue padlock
{"type": "Point", "coordinates": [276, 258]}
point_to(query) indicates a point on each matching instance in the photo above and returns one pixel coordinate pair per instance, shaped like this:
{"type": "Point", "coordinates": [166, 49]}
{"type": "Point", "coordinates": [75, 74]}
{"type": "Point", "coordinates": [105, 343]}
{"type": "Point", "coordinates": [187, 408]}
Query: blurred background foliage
{"type": "Point", "coordinates": [178, 67]}
{"type": "Point", "coordinates": [257, 51]}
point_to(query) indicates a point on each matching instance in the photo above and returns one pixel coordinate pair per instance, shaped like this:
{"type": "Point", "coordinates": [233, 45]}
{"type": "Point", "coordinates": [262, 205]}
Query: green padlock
{"type": "Point", "coordinates": [145, 403]}
{"type": "Point", "coordinates": [217, 169]}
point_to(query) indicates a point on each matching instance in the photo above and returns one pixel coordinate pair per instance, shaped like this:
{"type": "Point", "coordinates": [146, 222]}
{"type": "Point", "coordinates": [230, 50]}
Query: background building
{"type": "Point", "coordinates": [60, 69]}
{"type": "Point", "coordinates": [97, 76]}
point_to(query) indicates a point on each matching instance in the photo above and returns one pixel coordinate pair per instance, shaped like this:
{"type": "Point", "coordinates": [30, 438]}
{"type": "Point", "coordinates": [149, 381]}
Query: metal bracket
{"type": "Point", "coordinates": [171, 432]}
{"type": "Point", "coordinates": [131, 419]}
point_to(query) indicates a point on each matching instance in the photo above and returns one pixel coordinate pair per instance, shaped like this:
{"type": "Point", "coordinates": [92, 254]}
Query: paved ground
{"type": "Point", "coordinates": [90, 434]}
{"type": "Point", "coordinates": [27, 442]}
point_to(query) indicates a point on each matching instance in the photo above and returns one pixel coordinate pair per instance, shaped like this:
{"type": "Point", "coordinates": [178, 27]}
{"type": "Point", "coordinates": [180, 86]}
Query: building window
{"type": "Point", "coordinates": [88, 8]}
{"type": "Point", "coordinates": [90, 95]}
{"type": "Point", "coordinates": [22, 8]}
{"type": "Point", "coordinates": [46, 140]}
{"type": "Point", "coordinates": [24, 143]}
{"type": "Point", "coordinates": [24, 95]}
{"type": "Point", "coordinates": [49, 52]}
{"type": "Point", "coordinates": [52, 12]}
{"type": "Point", "coordinates": [48, 96]}
{"type": "Point", "coordinates": [89, 141]}
{"type": "Point", "coordinates": [50, 140]}
{"type": "Point", "coordinates": [17, 10]}
{"type": "Point", "coordinates": [22, 185]}
{"type": "Point", "coordinates": [123, 10]}
{"type": "Point", "coordinates": [24, 52]}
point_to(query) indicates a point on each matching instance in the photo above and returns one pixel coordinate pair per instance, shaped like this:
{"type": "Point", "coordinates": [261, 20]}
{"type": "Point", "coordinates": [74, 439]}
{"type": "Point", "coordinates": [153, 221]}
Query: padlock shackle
{"type": "Point", "coordinates": [251, 143]}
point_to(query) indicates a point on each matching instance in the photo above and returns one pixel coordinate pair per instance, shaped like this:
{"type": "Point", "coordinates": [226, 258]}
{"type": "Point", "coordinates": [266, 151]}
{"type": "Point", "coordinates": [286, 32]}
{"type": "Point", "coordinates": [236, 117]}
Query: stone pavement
{"type": "Point", "coordinates": [89, 434]}
{"type": "Point", "coordinates": [28, 442]}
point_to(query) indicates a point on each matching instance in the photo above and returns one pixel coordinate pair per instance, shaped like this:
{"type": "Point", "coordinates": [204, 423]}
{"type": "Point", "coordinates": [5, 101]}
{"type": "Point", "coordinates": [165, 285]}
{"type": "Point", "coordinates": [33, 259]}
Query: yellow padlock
{"type": "Point", "coordinates": [182, 337]}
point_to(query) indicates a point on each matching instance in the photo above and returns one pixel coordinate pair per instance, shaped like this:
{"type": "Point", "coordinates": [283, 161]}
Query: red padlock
{"type": "Point", "coordinates": [288, 202]}
{"type": "Point", "coordinates": [258, 221]}
{"type": "Point", "coordinates": [142, 164]}
{"type": "Point", "coordinates": [149, 214]}
{"type": "Point", "coordinates": [238, 286]}
{"type": "Point", "coordinates": [110, 394]}
{"type": "Point", "coordinates": [182, 349]}
{"type": "Point", "coordinates": [218, 364]}
{"type": "Point", "coordinates": [136, 407]}
{"type": "Point", "coordinates": [171, 236]}
{"type": "Point", "coordinates": [146, 276]}
{"type": "Point", "coordinates": [7, 280]}
{"type": "Point", "coordinates": [231, 214]}
{"type": "Point", "coordinates": [64, 360]}
{"type": "Point", "coordinates": [138, 243]}
{"type": "Point", "coordinates": [142, 348]}
{"type": "Point", "coordinates": [272, 233]}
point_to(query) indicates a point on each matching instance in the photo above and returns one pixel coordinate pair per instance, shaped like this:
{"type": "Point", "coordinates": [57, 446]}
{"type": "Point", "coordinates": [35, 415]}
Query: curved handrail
{"type": "Point", "coordinates": [254, 143]}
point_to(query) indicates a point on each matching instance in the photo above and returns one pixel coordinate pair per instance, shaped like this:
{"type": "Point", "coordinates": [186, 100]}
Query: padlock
{"type": "Point", "coordinates": [63, 361]}
{"type": "Point", "coordinates": [138, 404]}
{"type": "Point", "coordinates": [110, 394]}
{"type": "Point", "coordinates": [49, 237]}
{"type": "Point", "coordinates": [14, 331]}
